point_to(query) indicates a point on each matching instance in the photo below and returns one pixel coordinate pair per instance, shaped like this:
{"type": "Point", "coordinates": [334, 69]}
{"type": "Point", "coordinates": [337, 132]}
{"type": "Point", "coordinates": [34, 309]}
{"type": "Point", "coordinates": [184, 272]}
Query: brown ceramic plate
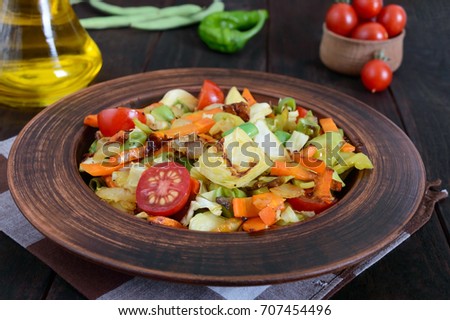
{"type": "Point", "coordinates": [45, 183]}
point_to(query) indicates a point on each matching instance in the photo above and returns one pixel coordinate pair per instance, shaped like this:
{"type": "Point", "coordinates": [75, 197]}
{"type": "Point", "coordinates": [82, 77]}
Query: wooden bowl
{"type": "Point", "coordinates": [348, 56]}
{"type": "Point", "coordinates": [45, 183]}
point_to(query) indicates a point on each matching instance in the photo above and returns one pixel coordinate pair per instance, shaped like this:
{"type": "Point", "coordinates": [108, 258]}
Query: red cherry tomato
{"type": "Point", "coordinates": [308, 204]}
{"type": "Point", "coordinates": [341, 18]}
{"type": "Point", "coordinates": [367, 9]}
{"type": "Point", "coordinates": [393, 18]}
{"type": "Point", "coordinates": [111, 121]}
{"type": "Point", "coordinates": [163, 189]}
{"type": "Point", "coordinates": [210, 93]}
{"type": "Point", "coordinates": [302, 112]}
{"type": "Point", "coordinates": [370, 31]}
{"type": "Point", "coordinates": [376, 75]}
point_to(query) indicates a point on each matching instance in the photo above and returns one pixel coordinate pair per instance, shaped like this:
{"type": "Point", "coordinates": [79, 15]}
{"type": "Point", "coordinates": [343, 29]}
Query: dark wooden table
{"type": "Point", "coordinates": [417, 101]}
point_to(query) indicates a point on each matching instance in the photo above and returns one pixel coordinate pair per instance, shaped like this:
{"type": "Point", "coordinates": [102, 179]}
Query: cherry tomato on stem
{"type": "Point", "coordinates": [112, 120]}
{"type": "Point", "coordinates": [341, 18]}
{"type": "Point", "coordinates": [376, 75]}
{"type": "Point", "coordinates": [393, 18]}
{"type": "Point", "coordinates": [370, 31]}
{"type": "Point", "coordinates": [163, 189]}
{"type": "Point", "coordinates": [209, 93]}
{"type": "Point", "coordinates": [367, 9]}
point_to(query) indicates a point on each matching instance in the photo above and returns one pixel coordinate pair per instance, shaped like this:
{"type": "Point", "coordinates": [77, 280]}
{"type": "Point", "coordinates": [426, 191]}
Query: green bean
{"type": "Point", "coordinates": [216, 6]}
{"type": "Point", "coordinates": [117, 10]}
{"type": "Point", "coordinates": [111, 21]}
{"type": "Point", "coordinates": [180, 10]}
{"type": "Point", "coordinates": [162, 23]}
{"type": "Point", "coordinates": [177, 21]}
{"type": "Point", "coordinates": [118, 21]}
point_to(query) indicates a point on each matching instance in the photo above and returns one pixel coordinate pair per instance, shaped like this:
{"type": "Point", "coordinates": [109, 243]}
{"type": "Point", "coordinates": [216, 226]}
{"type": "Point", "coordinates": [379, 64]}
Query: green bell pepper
{"type": "Point", "coordinates": [229, 31]}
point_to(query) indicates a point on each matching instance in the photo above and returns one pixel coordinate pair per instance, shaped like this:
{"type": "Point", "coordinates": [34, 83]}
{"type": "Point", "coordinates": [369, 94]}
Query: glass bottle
{"type": "Point", "coordinates": [45, 53]}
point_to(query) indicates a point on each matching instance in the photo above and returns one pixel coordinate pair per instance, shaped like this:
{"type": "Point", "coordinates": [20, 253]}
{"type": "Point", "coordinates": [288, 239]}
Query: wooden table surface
{"type": "Point", "coordinates": [417, 101]}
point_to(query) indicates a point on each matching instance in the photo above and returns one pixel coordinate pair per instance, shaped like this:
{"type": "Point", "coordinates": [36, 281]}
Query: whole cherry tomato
{"type": "Point", "coordinates": [341, 18]}
{"type": "Point", "coordinates": [112, 120]}
{"type": "Point", "coordinates": [393, 18]}
{"type": "Point", "coordinates": [209, 93]}
{"type": "Point", "coordinates": [367, 9]}
{"type": "Point", "coordinates": [376, 75]}
{"type": "Point", "coordinates": [370, 31]}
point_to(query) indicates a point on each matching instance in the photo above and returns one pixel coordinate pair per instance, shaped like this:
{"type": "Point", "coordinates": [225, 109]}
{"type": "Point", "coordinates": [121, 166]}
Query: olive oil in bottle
{"type": "Point", "coordinates": [45, 54]}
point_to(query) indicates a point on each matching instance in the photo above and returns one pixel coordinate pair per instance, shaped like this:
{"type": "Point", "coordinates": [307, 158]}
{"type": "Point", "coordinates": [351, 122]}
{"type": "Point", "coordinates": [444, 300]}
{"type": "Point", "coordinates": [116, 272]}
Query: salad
{"type": "Point", "coordinates": [217, 162]}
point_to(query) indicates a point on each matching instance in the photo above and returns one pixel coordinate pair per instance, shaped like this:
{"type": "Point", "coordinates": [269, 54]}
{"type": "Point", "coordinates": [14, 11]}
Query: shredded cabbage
{"type": "Point", "coordinates": [240, 162]}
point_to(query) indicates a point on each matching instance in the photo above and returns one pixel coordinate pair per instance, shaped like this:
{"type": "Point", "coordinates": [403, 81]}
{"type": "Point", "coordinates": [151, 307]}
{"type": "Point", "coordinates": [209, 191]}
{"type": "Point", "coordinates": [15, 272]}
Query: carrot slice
{"type": "Point", "coordinates": [268, 199]}
{"type": "Point", "coordinates": [91, 120]}
{"type": "Point", "coordinates": [244, 208]}
{"type": "Point", "coordinates": [207, 137]}
{"type": "Point", "coordinates": [109, 181]}
{"type": "Point", "coordinates": [165, 221]}
{"type": "Point", "coordinates": [323, 184]}
{"type": "Point", "coordinates": [128, 155]}
{"type": "Point", "coordinates": [200, 114]}
{"type": "Point", "coordinates": [281, 168]}
{"type": "Point", "coordinates": [195, 186]}
{"type": "Point", "coordinates": [97, 169]}
{"type": "Point", "coordinates": [268, 215]}
{"type": "Point", "coordinates": [113, 163]}
{"type": "Point", "coordinates": [201, 126]}
{"type": "Point", "coordinates": [313, 164]}
{"type": "Point", "coordinates": [347, 147]}
{"type": "Point", "coordinates": [246, 94]}
{"type": "Point", "coordinates": [328, 125]}
{"type": "Point", "coordinates": [254, 224]}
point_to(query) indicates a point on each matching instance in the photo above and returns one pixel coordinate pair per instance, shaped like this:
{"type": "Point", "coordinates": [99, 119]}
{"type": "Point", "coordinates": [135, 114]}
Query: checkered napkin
{"type": "Point", "coordinates": [96, 282]}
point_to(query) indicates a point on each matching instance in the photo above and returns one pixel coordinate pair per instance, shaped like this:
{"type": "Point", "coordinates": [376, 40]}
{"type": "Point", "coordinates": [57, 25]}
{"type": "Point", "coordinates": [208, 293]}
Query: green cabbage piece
{"type": "Point", "coordinates": [202, 201]}
{"type": "Point", "coordinates": [207, 221]}
{"type": "Point", "coordinates": [350, 159]}
{"type": "Point", "coordinates": [240, 162]}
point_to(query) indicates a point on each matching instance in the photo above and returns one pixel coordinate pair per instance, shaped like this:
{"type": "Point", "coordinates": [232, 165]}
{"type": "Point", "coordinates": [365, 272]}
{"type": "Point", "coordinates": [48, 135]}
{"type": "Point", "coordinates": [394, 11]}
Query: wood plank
{"type": "Point", "coordinates": [409, 272]}
{"type": "Point", "coordinates": [23, 276]}
{"type": "Point", "coordinates": [61, 290]}
{"type": "Point", "coordinates": [301, 59]}
{"type": "Point", "coordinates": [182, 48]}
{"type": "Point", "coordinates": [421, 89]}
{"type": "Point", "coordinates": [124, 49]}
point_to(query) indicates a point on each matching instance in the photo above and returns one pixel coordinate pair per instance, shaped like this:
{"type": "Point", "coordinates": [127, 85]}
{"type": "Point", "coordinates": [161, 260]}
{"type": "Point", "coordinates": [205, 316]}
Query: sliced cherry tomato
{"type": "Point", "coordinates": [309, 204]}
{"type": "Point", "coordinates": [393, 18]}
{"type": "Point", "coordinates": [370, 31]}
{"type": "Point", "coordinates": [112, 120]}
{"type": "Point", "coordinates": [367, 9]}
{"type": "Point", "coordinates": [210, 93]}
{"type": "Point", "coordinates": [163, 189]}
{"type": "Point", "coordinates": [376, 75]}
{"type": "Point", "coordinates": [341, 18]}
